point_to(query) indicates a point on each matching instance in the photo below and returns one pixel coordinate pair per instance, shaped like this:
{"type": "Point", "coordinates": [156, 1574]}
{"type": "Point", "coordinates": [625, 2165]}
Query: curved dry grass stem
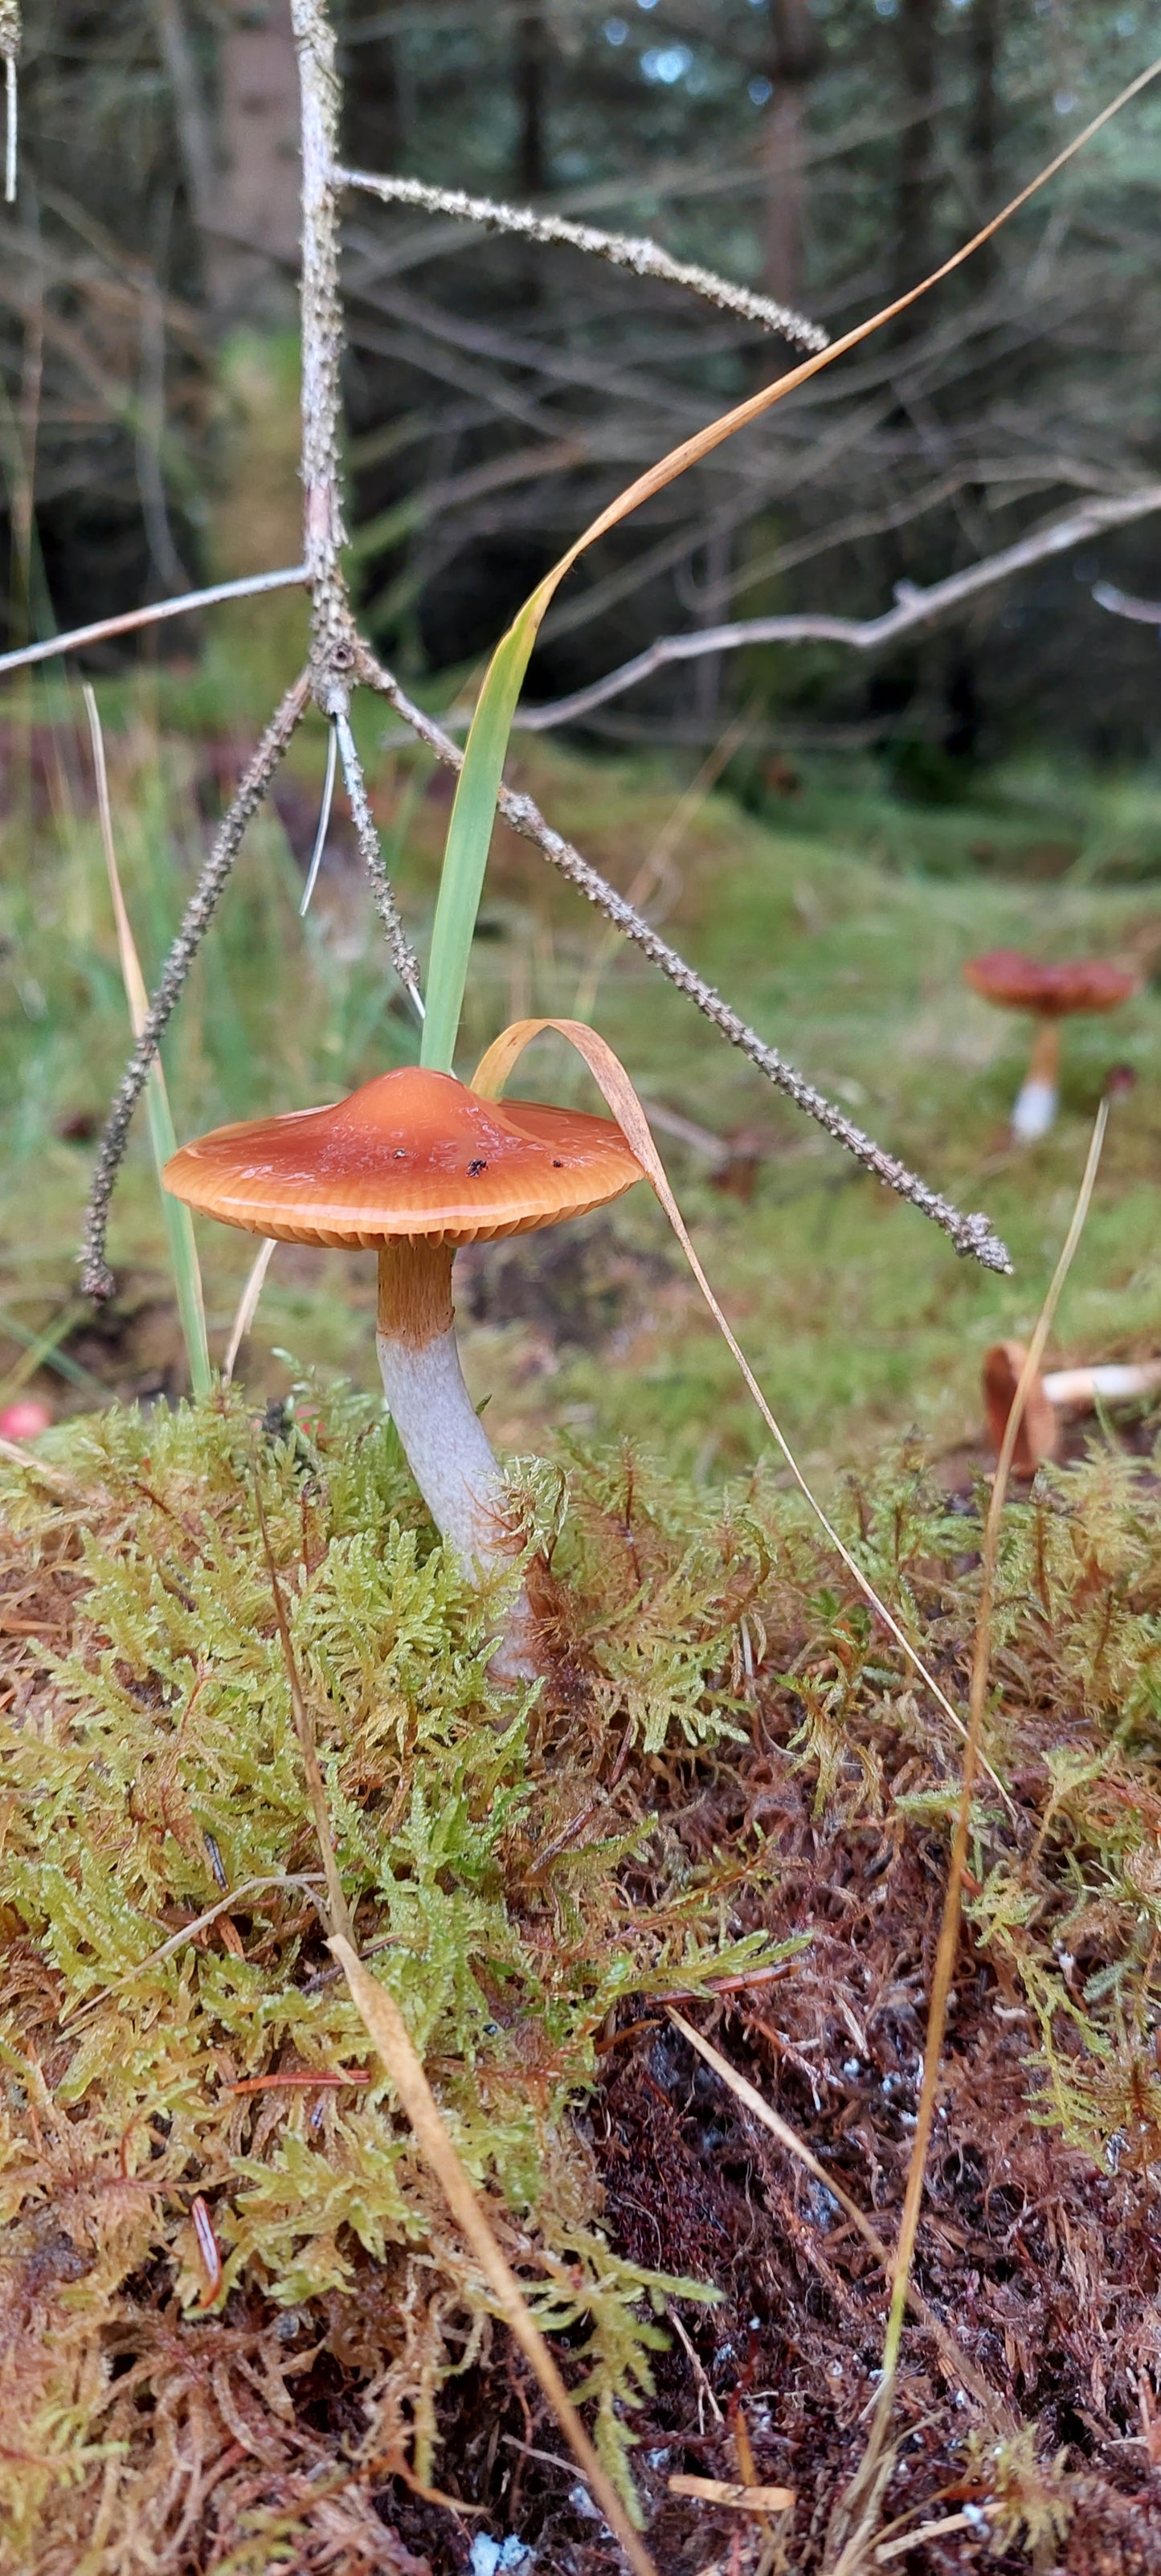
{"type": "Point", "coordinates": [384, 2021]}
{"type": "Point", "coordinates": [860, 2505]}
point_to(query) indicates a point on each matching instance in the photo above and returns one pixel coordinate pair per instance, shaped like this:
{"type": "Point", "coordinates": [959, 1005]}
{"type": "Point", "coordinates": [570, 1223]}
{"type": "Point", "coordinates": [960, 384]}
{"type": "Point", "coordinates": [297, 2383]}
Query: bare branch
{"type": "Point", "coordinates": [96, 1277]}
{"type": "Point", "coordinates": [403, 956]}
{"type": "Point", "coordinates": [1143, 612]}
{"type": "Point", "coordinates": [972, 1235]}
{"type": "Point", "coordinates": [912, 608]}
{"type": "Point", "coordinates": [190, 600]}
{"type": "Point", "coordinates": [623, 250]}
{"type": "Point", "coordinates": [9, 55]}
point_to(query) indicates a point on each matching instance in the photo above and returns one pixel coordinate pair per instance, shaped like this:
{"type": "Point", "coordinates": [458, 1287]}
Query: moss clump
{"type": "Point", "coordinates": [728, 1762]}
{"type": "Point", "coordinates": [154, 1767]}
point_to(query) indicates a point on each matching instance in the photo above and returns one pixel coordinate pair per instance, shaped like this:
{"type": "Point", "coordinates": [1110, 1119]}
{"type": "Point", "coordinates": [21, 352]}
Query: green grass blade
{"type": "Point", "coordinates": [470, 834]}
{"type": "Point", "coordinates": [183, 1253]}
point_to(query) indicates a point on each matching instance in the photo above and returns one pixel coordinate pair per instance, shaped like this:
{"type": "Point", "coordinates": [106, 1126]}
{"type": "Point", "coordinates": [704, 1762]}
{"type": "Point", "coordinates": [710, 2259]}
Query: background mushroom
{"type": "Point", "coordinates": [412, 1165]}
{"type": "Point", "coordinates": [1018, 983]}
{"type": "Point", "coordinates": [1062, 1391]}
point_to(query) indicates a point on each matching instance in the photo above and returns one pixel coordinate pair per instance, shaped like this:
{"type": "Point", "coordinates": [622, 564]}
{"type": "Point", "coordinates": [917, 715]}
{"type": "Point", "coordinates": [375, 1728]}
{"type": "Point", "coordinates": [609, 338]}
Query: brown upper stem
{"type": "Point", "coordinates": [415, 1303]}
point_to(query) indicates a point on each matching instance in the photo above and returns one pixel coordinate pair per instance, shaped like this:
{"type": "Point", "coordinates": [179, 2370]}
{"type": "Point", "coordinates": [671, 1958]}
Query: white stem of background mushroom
{"type": "Point", "coordinates": [1110, 1382]}
{"type": "Point", "coordinates": [1036, 1102]}
{"type": "Point", "coordinates": [447, 1448]}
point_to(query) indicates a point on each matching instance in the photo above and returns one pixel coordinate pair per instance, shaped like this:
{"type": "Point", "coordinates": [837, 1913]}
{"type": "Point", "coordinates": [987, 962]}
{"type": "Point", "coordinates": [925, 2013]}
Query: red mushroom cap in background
{"type": "Point", "coordinates": [1020, 983]}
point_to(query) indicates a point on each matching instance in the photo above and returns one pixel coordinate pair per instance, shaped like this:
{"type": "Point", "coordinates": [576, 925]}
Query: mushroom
{"type": "Point", "coordinates": [412, 1165]}
{"type": "Point", "coordinates": [1075, 1390]}
{"type": "Point", "coordinates": [1020, 983]}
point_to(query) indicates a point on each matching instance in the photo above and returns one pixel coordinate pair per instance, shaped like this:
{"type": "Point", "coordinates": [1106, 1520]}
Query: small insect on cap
{"type": "Point", "coordinates": [1021, 983]}
{"type": "Point", "coordinates": [413, 1155]}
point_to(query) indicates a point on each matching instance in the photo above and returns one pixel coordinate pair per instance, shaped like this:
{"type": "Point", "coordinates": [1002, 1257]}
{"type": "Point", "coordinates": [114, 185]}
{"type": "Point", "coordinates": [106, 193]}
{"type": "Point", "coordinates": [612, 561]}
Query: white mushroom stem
{"type": "Point", "coordinates": [1111, 1382]}
{"type": "Point", "coordinates": [1039, 1094]}
{"type": "Point", "coordinates": [447, 1448]}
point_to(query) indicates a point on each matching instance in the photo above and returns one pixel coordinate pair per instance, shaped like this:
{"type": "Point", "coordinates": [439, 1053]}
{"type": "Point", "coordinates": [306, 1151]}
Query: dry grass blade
{"type": "Point", "coordinates": [387, 2028]}
{"type": "Point", "coordinates": [187, 1277]}
{"type": "Point", "coordinates": [860, 2505]}
{"type": "Point", "coordinates": [962, 2370]}
{"type": "Point", "coordinates": [608, 1071]}
{"type": "Point", "coordinates": [247, 1307]}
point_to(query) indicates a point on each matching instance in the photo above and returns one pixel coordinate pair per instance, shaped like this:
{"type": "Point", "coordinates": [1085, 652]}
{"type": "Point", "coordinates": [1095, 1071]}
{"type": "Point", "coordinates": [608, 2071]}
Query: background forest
{"type": "Point", "coordinates": [831, 832]}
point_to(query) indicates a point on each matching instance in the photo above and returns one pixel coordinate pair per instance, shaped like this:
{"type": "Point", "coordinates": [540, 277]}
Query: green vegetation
{"type": "Point", "coordinates": [838, 918]}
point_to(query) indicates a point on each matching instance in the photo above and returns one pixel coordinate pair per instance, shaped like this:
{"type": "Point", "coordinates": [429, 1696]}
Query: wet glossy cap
{"type": "Point", "coordinates": [1021, 983]}
{"type": "Point", "coordinates": [412, 1154]}
{"type": "Point", "coordinates": [1039, 1433]}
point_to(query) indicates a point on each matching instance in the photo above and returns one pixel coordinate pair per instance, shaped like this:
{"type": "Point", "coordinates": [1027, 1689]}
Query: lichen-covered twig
{"type": "Point", "coordinates": [973, 1236]}
{"type": "Point", "coordinates": [96, 1277]}
{"type": "Point", "coordinates": [9, 56]}
{"type": "Point", "coordinates": [913, 608]}
{"type": "Point", "coordinates": [623, 250]}
{"type": "Point", "coordinates": [185, 605]}
{"type": "Point", "coordinates": [403, 956]}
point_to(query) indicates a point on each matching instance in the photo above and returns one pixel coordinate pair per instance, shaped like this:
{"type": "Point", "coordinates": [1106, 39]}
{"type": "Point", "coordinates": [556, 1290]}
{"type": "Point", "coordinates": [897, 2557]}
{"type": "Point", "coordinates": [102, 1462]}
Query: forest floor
{"type": "Point", "coordinates": [729, 1801]}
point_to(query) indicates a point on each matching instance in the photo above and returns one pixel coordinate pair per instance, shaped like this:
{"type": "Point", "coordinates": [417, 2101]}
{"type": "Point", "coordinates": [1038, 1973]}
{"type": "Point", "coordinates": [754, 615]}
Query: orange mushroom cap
{"type": "Point", "coordinates": [1021, 983]}
{"type": "Point", "coordinates": [413, 1154]}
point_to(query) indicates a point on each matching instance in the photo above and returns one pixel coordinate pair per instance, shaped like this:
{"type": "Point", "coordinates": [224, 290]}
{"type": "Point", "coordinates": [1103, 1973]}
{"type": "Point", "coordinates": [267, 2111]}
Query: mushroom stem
{"type": "Point", "coordinates": [1034, 1111]}
{"type": "Point", "coordinates": [447, 1448]}
{"type": "Point", "coordinates": [1110, 1382]}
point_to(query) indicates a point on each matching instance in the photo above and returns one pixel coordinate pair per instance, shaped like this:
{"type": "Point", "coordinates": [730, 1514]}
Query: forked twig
{"type": "Point", "coordinates": [103, 628]}
{"type": "Point", "coordinates": [623, 250]}
{"type": "Point", "coordinates": [973, 1236]}
{"type": "Point", "coordinates": [403, 957]}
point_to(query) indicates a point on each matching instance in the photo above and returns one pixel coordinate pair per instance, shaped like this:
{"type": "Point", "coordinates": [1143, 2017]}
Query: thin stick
{"type": "Point", "coordinates": [324, 822]}
{"type": "Point", "coordinates": [973, 1236]}
{"type": "Point", "coordinates": [96, 1276]}
{"type": "Point", "coordinates": [867, 635]}
{"type": "Point", "coordinates": [623, 250]}
{"type": "Point", "coordinates": [956, 2363]}
{"type": "Point", "coordinates": [10, 120]}
{"type": "Point", "coordinates": [190, 600]}
{"type": "Point", "coordinates": [403, 956]}
{"type": "Point", "coordinates": [949, 1927]}
{"type": "Point", "coordinates": [304, 1880]}
{"type": "Point", "coordinates": [308, 1749]}
{"type": "Point", "coordinates": [247, 1308]}
{"type": "Point", "coordinates": [858, 2508]}
{"type": "Point", "coordinates": [1120, 603]}
{"type": "Point", "coordinates": [390, 2034]}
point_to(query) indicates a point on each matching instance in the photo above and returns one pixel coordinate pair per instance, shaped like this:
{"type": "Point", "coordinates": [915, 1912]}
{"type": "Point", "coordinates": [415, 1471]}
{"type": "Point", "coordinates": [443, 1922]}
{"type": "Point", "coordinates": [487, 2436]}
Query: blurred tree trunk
{"type": "Point", "coordinates": [242, 174]}
{"type": "Point", "coordinates": [531, 85]}
{"type": "Point", "coordinates": [986, 31]}
{"type": "Point", "coordinates": [918, 64]}
{"type": "Point", "coordinates": [797, 54]}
